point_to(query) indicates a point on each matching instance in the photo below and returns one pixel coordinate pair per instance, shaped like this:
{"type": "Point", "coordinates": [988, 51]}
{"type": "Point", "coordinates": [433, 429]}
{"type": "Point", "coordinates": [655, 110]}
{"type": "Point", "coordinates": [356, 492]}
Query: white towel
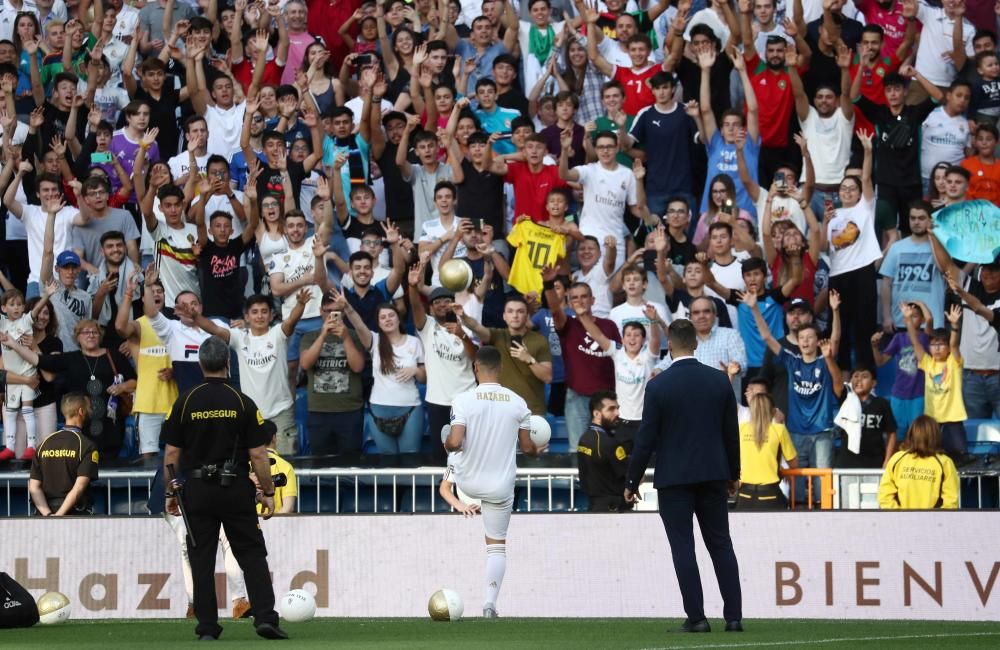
{"type": "Point", "coordinates": [849, 419]}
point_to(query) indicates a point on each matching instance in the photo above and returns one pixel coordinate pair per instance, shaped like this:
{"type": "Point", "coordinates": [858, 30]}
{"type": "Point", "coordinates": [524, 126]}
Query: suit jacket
{"type": "Point", "coordinates": [689, 420]}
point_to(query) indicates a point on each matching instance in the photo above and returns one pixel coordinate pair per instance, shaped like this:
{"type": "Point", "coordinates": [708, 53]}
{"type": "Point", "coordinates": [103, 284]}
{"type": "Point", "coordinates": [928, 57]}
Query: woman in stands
{"type": "Point", "coordinates": [397, 412]}
{"type": "Point", "coordinates": [722, 189]}
{"type": "Point", "coordinates": [920, 476]}
{"type": "Point", "coordinates": [105, 375]}
{"type": "Point", "coordinates": [761, 439]}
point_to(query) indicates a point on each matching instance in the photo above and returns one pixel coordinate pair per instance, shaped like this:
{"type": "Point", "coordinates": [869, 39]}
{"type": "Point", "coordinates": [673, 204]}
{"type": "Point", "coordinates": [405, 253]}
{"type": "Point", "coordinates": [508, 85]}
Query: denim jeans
{"type": "Point", "coordinates": [814, 450]}
{"type": "Point", "coordinates": [818, 202]}
{"type": "Point", "coordinates": [981, 395]}
{"type": "Point", "coordinates": [304, 325]}
{"type": "Point", "coordinates": [577, 414]}
{"type": "Point", "coordinates": [335, 433]}
{"type": "Point", "coordinates": [407, 442]}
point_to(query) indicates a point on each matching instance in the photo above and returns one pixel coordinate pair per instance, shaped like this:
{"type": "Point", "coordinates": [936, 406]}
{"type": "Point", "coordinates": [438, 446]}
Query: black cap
{"type": "Point", "coordinates": [994, 265]}
{"type": "Point", "coordinates": [799, 303]}
{"type": "Point", "coordinates": [441, 292]}
{"type": "Point", "coordinates": [393, 115]}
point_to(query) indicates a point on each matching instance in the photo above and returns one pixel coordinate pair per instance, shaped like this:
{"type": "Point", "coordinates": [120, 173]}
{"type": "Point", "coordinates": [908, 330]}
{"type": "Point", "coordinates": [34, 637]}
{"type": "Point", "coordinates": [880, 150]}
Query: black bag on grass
{"type": "Point", "coordinates": [17, 607]}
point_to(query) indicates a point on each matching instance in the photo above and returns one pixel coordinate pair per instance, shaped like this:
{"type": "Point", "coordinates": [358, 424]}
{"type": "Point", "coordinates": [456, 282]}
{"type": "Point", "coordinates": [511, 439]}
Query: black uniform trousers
{"type": "Point", "coordinates": [708, 502]}
{"type": "Point", "coordinates": [209, 505]}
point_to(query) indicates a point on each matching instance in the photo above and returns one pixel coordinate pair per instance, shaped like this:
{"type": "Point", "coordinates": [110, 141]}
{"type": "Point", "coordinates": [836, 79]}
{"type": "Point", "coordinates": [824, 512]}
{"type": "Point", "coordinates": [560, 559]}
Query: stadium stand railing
{"type": "Point", "coordinates": [415, 490]}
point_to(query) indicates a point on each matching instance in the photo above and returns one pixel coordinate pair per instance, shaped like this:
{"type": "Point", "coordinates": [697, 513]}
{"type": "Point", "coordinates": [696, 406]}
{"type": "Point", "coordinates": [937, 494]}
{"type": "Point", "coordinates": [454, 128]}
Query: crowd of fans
{"type": "Point", "coordinates": [297, 177]}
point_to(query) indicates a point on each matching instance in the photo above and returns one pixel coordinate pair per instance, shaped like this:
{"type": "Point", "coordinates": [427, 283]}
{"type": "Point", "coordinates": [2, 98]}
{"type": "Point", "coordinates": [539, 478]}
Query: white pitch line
{"type": "Point", "coordinates": [767, 644]}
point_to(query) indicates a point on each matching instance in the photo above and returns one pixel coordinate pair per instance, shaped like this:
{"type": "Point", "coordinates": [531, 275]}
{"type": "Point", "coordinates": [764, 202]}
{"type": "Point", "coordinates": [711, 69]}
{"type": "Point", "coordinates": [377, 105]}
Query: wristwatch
{"type": "Point", "coordinates": [268, 495]}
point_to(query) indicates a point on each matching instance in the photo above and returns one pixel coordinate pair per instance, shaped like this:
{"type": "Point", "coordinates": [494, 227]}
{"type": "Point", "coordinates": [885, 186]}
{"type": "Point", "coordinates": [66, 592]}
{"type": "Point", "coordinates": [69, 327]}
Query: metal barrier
{"type": "Point", "coordinates": [368, 490]}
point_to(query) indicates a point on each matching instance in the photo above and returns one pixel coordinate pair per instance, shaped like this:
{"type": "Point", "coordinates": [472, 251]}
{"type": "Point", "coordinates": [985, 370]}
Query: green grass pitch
{"type": "Point", "coordinates": [516, 633]}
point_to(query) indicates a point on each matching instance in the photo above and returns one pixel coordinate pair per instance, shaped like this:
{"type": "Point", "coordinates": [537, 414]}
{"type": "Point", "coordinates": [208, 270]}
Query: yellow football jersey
{"type": "Point", "coordinates": [537, 247]}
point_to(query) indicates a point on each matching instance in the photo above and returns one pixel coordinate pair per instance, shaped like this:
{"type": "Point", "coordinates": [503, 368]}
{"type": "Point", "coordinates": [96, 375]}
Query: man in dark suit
{"type": "Point", "coordinates": [689, 420]}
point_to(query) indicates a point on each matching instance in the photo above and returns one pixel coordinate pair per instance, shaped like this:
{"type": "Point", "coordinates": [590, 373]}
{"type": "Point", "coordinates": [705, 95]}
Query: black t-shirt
{"type": "Point", "coordinates": [398, 193]}
{"type": "Point", "coordinates": [850, 33]}
{"type": "Point", "coordinates": [219, 270]}
{"type": "Point", "coordinates": [163, 115]}
{"type": "Point", "coordinates": [514, 99]}
{"type": "Point", "coordinates": [60, 459]}
{"type": "Point", "coordinates": [603, 460]}
{"type": "Point", "coordinates": [270, 183]}
{"type": "Point", "coordinates": [210, 420]}
{"type": "Point", "coordinates": [823, 70]}
{"type": "Point", "coordinates": [47, 391]}
{"type": "Point", "coordinates": [876, 423]}
{"type": "Point", "coordinates": [75, 370]}
{"type": "Point", "coordinates": [353, 228]}
{"type": "Point", "coordinates": [680, 253]}
{"type": "Point", "coordinates": [689, 74]}
{"type": "Point", "coordinates": [480, 196]}
{"type": "Point", "coordinates": [897, 150]}
{"type": "Point", "coordinates": [55, 124]}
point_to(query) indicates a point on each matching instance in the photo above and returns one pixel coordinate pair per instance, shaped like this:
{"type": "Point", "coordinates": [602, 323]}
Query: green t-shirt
{"type": "Point", "coordinates": [333, 387]}
{"type": "Point", "coordinates": [605, 123]}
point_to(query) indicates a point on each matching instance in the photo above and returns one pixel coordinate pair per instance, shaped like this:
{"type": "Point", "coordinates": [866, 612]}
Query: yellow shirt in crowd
{"type": "Point", "coordinates": [760, 466]}
{"type": "Point", "coordinates": [914, 483]}
{"type": "Point", "coordinates": [943, 389]}
{"type": "Point", "coordinates": [281, 466]}
{"type": "Point", "coordinates": [537, 248]}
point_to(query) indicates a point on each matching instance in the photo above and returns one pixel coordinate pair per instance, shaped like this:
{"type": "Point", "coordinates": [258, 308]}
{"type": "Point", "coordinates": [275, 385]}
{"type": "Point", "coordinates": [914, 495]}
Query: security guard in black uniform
{"type": "Point", "coordinates": [211, 432]}
{"type": "Point", "coordinates": [602, 457]}
{"type": "Point", "coordinates": [65, 464]}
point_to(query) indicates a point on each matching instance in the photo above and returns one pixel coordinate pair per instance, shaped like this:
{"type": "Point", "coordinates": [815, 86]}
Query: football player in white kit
{"type": "Point", "coordinates": [486, 424]}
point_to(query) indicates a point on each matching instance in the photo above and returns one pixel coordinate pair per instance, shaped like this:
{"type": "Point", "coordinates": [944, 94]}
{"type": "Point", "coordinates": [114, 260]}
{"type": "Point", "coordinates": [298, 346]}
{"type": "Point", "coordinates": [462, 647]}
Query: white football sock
{"type": "Point", "coordinates": [10, 428]}
{"type": "Point", "coordinates": [496, 565]}
{"type": "Point", "coordinates": [28, 413]}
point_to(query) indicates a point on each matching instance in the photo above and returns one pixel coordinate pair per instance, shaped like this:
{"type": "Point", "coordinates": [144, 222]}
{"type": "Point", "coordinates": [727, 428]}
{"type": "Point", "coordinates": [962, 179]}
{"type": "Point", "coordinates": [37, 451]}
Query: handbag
{"type": "Point", "coordinates": [17, 607]}
{"type": "Point", "coordinates": [392, 426]}
{"type": "Point", "coordinates": [125, 400]}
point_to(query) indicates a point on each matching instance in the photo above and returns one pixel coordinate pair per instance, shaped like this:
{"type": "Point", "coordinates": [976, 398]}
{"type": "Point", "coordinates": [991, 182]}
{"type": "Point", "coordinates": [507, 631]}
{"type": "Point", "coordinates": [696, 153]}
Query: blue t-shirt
{"type": "Point", "coordinates": [666, 137]}
{"type": "Point", "coordinates": [722, 160]}
{"type": "Point", "coordinates": [330, 151]}
{"type": "Point", "coordinates": [774, 316]}
{"type": "Point", "coordinates": [910, 266]}
{"type": "Point", "coordinates": [810, 393]}
{"type": "Point", "coordinates": [484, 62]}
{"type": "Point", "coordinates": [545, 325]}
{"type": "Point", "coordinates": [238, 169]}
{"type": "Point", "coordinates": [498, 121]}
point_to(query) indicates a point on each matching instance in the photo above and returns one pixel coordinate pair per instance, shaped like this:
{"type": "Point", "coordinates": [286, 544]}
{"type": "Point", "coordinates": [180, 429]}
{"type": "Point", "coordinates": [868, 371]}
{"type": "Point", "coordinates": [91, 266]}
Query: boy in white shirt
{"type": "Point", "coordinates": [636, 308]}
{"type": "Point", "coordinates": [262, 349]}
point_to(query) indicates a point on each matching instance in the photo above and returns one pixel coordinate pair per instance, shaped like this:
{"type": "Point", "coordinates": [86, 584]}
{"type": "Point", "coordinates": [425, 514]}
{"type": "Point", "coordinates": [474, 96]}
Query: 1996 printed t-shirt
{"type": "Point", "coordinates": [588, 370]}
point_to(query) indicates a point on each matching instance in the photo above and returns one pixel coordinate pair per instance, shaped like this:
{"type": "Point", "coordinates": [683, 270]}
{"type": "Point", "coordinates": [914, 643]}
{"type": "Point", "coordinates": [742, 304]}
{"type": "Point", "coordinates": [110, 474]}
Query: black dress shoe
{"type": "Point", "coordinates": [734, 626]}
{"type": "Point", "coordinates": [696, 626]}
{"type": "Point", "coordinates": [271, 631]}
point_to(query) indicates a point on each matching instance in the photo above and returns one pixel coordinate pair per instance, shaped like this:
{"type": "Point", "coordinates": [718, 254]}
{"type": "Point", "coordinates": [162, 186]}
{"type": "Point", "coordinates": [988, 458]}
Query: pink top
{"type": "Point", "coordinates": [701, 231]}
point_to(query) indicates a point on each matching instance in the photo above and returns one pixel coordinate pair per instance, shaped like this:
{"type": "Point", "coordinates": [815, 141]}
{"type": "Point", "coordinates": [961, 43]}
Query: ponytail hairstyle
{"type": "Point", "coordinates": [761, 411]}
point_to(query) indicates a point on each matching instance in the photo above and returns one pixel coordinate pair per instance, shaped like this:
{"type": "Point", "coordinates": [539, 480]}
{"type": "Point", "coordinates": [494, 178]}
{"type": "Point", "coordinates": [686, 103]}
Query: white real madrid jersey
{"type": "Point", "coordinates": [492, 416]}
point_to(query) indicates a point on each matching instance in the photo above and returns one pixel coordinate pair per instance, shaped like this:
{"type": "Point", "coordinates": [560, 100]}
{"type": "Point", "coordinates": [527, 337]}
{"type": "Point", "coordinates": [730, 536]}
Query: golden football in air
{"type": "Point", "coordinates": [53, 607]}
{"type": "Point", "coordinates": [456, 275]}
